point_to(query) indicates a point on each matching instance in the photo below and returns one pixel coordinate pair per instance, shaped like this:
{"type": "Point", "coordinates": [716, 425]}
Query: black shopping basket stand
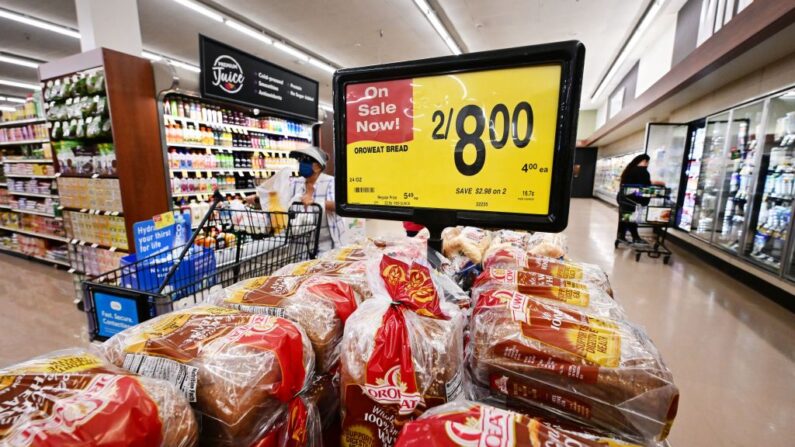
{"type": "Point", "coordinates": [229, 245]}
{"type": "Point", "coordinates": [651, 208]}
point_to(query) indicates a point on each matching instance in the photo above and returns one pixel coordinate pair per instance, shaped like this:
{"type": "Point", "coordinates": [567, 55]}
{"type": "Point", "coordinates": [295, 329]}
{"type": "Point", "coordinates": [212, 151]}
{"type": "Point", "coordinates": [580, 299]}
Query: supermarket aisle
{"type": "Point", "coordinates": [730, 349]}
{"type": "Point", "coordinates": [38, 315]}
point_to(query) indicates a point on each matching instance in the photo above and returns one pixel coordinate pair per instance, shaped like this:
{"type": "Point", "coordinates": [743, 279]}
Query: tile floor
{"type": "Point", "coordinates": [732, 351]}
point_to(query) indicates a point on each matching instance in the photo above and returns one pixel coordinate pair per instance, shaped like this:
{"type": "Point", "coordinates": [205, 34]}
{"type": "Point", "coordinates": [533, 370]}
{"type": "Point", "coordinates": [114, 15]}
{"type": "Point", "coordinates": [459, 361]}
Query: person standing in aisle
{"type": "Point", "coordinates": [315, 186]}
{"type": "Point", "coordinates": [635, 174]}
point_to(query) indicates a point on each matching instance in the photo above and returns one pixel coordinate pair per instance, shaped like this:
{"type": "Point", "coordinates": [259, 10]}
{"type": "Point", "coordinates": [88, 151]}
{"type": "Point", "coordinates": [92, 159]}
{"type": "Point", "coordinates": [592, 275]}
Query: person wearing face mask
{"type": "Point", "coordinates": [315, 186]}
{"type": "Point", "coordinates": [635, 174]}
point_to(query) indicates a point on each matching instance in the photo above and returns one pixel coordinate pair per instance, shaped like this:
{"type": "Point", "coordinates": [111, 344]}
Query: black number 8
{"type": "Point", "coordinates": [474, 138]}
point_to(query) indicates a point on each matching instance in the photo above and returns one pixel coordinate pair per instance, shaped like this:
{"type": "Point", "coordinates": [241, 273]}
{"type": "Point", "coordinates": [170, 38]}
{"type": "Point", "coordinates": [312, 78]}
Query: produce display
{"type": "Point", "coordinates": [371, 346]}
{"type": "Point", "coordinates": [73, 397]}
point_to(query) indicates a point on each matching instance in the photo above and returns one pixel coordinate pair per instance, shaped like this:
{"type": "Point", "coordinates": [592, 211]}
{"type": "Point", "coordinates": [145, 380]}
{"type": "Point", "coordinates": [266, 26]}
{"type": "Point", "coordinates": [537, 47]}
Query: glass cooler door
{"type": "Point", "coordinates": [770, 222]}
{"type": "Point", "coordinates": [711, 176]}
{"type": "Point", "coordinates": [692, 171]}
{"type": "Point", "coordinates": [739, 173]}
{"type": "Point", "coordinates": [665, 145]}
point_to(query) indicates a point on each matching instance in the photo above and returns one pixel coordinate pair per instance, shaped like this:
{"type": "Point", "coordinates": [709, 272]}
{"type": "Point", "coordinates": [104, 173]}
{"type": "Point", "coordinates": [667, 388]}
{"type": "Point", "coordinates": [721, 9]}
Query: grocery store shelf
{"type": "Point", "coordinates": [90, 211]}
{"type": "Point", "coordinates": [21, 122]}
{"type": "Point", "coordinates": [231, 170]}
{"type": "Point", "coordinates": [28, 160]}
{"type": "Point", "coordinates": [33, 233]}
{"type": "Point", "coordinates": [38, 213]}
{"type": "Point", "coordinates": [39, 258]}
{"type": "Point", "coordinates": [228, 148]}
{"type": "Point", "coordinates": [231, 191]}
{"type": "Point", "coordinates": [96, 245]}
{"type": "Point", "coordinates": [5, 207]}
{"type": "Point", "coordinates": [31, 194]}
{"type": "Point", "coordinates": [3, 185]}
{"type": "Point", "coordinates": [20, 143]}
{"type": "Point", "coordinates": [49, 177]}
{"type": "Point", "coordinates": [232, 127]}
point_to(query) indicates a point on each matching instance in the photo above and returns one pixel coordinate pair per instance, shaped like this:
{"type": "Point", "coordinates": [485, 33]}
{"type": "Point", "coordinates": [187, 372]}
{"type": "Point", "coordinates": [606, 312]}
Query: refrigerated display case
{"type": "Point", "coordinates": [608, 175]}
{"type": "Point", "coordinates": [665, 145]}
{"type": "Point", "coordinates": [710, 176]}
{"type": "Point", "coordinates": [771, 221]}
{"type": "Point", "coordinates": [691, 175]}
{"type": "Point", "coordinates": [738, 176]}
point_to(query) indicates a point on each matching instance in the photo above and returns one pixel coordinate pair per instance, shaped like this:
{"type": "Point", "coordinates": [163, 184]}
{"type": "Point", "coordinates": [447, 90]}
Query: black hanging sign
{"type": "Point", "coordinates": [229, 74]}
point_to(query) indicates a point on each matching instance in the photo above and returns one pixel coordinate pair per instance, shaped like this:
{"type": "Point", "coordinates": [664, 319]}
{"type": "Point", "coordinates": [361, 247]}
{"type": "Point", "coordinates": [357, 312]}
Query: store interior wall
{"type": "Point", "coordinates": [327, 138]}
{"type": "Point", "coordinates": [586, 123]}
{"type": "Point", "coordinates": [631, 143]}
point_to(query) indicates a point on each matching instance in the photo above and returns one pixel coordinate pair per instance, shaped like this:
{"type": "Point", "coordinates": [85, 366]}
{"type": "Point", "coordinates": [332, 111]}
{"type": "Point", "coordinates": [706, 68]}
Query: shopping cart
{"type": "Point", "coordinates": [651, 208]}
{"type": "Point", "coordinates": [229, 245]}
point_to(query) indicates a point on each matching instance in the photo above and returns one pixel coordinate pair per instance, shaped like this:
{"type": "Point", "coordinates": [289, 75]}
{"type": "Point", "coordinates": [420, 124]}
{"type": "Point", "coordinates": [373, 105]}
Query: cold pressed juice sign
{"type": "Point", "coordinates": [474, 141]}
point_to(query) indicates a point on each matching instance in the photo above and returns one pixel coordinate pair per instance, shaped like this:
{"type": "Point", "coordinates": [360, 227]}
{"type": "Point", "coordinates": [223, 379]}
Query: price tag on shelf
{"type": "Point", "coordinates": [57, 174]}
{"type": "Point", "coordinates": [115, 213]}
{"type": "Point", "coordinates": [163, 220]}
{"type": "Point", "coordinates": [488, 134]}
{"type": "Point", "coordinates": [112, 249]}
{"type": "Point", "coordinates": [71, 270]}
{"type": "Point", "coordinates": [74, 241]}
{"type": "Point", "coordinates": [94, 245]}
{"type": "Point", "coordinates": [94, 175]}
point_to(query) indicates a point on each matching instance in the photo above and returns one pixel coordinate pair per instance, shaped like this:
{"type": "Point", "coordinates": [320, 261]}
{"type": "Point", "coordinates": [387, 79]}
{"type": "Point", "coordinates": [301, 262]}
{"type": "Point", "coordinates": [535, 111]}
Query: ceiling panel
{"type": "Point", "coordinates": [602, 26]}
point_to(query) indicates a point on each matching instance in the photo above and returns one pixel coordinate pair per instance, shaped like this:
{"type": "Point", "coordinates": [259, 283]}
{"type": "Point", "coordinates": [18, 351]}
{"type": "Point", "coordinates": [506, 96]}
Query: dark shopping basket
{"type": "Point", "coordinates": [651, 208]}
{"type": "Point", "coordinates": [228, 246]}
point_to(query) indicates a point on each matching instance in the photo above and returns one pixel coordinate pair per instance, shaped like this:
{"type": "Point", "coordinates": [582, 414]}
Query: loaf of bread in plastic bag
{"type": "Point", "coordinates": [463, 245]}
{"type": "Point", "coordinates": [586, 368]}
{"type": "Point", "coordinates": [73, 397]}
{"type": "Point", "coordinates": [395, 246]}
{"type": "Point", "coordinates": [237, 368]}
{"type": "Point", "coordinates": [557, 291]}
{"type": "Point", "coordinates": [467, 423]}
{"type": "Point", "coordinates": [319, 303]}
{"type": "Point", "coordinates": [402, 352]}
{"type": "Point", "coordinates": [513, 258]}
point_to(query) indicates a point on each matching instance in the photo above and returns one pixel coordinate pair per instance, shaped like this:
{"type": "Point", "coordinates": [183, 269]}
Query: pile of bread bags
{"type": "Point", "coordinates": [367, 346]}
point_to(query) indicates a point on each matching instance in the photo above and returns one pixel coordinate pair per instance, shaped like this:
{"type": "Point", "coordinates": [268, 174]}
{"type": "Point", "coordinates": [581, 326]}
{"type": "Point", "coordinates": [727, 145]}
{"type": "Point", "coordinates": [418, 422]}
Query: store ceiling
{"type": "Point", "coordinates": [345, 32]}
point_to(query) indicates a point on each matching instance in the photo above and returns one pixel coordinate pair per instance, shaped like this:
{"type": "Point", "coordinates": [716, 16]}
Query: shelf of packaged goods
{"type": "Point", "coordinates": [233, 127]}
{"type": "Point", "coordinates": [37, 213]}
{"type": "Point", "coordinates": [22, 142]}
{"type": "Point", "coordinates": [46, 177]}
{"type": "Point", "coordinates": [96, 245]}
{"type": "Point", "coordinates": [227, 148]}
{"type": "Point", "coordinates": [231, 170]}
{"type": "Point", "coordinates": [32, 194]}
{"type": "Point", "coordinates": [40, 258]}
{"type": "Point", "coordinates": [21, 122]}
{"type": "Point", "coordinates": [33, 233]}
{"type": "Point", "coordinates": [209, 194]}
{"type": "Point", "coordinates": [28, 160]}
{"type": "Point", "coordinates": [90, 211]}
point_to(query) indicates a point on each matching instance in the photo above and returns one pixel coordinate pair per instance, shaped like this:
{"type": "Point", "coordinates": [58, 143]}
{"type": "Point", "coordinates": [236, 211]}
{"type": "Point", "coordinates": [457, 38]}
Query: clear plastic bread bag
{"type": "Point", "coordinates": [74, 397]}
{"type": "Point", "coordinates": [528, 353]}
{"type": "Point", "coordinates": [402, 353]}
{"type": "Point", "coordinates": [467, 423]}
{"type": "Point", "coordinates": [509, 257]}
{"type": "Point", "coordinates": [465, 245]}
{"type": "Point", "coordinates": [236, 368]}
{"type": "Point", "coordinates": [554, 245]}
{"type": "Point", "coordinates": [579, 295]}
{"type": "Point", "coordinates": [354, 272]}
{"type": "Point", "coordinates": [320, 304]}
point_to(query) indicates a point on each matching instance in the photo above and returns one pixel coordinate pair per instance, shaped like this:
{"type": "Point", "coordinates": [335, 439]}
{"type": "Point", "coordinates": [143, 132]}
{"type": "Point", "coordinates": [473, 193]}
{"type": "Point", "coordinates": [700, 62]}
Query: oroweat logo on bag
{"type": "Point", "coordinates": [227, 74]}
{"type": "Point", "coordinates": [391, 390]}
{"type": "Point", "coordinates": [495, 428]}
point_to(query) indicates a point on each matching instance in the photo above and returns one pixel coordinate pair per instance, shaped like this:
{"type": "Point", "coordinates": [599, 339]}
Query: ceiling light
{"type": "Point", "coordinates": [437, 25]}
{"type": "Point", "coordinates": [184, 65]}
{"type": "Point", "coordinates": [201, 9]}
{"type": "Point", "coordinates": [637, 34]}
{"type": "Point", "coordinates": [322, 65]}
{"type": "Point", "coordinates": [7, 109]}
{"type": "Point", "coordinates": [19, 61]}
{"type": "Point", "coordinates": [39, 23]}
{"type": "Point", "coordinates": [20, 84]}
{"type": "Point", "coordinates": [251, 32]}
{"type": "Point", "coordinates": [151, 56]}
{"type": "Point", "coordinates": [292, 51]}
{"type": "Point", "coordinates": [13, 99]}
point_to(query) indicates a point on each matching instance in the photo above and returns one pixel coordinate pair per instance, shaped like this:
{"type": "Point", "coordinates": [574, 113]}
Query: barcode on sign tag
{"type": "Point", "coordinates": [179, 374]}
{"type": "Point", "coordinates": [364, 189]}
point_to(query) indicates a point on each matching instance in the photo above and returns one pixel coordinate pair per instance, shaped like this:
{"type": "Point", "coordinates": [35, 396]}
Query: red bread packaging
{"type": "Point", "coordinates": [513, 258]}
{"type": "Point", "coordinates": [528, 353]}
{"type": "Point", "coordinates": [73, 398]}
{"type": "Point", "coordinates": [320, 304]}
{"type": "Point", "coordinates": [238, 369]}
{"type": "Point", "coordinates": [471, 424]}
{"type": "Point", "coordinates": [402, 352]}
{"type": "Point", "coordinates": [557, 291]}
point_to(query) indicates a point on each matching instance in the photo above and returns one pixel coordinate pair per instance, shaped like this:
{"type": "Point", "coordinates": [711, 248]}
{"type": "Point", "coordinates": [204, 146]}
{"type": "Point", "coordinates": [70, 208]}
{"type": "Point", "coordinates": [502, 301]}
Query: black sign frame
{"type": "Point", "coordinates": [206, 62]}
{"type": "Point", "coordinates": [569, 54]}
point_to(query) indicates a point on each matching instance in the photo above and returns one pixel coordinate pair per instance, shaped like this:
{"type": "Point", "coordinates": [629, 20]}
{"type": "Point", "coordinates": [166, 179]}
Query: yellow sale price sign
{"type": "Point", "coordinates": [475, 141]}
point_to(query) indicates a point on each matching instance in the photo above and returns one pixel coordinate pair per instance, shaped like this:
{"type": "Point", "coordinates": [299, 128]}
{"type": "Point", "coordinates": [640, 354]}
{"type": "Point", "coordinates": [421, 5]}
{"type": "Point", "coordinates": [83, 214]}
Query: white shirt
{"type": "Point", "coordinates": [331, 224]}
